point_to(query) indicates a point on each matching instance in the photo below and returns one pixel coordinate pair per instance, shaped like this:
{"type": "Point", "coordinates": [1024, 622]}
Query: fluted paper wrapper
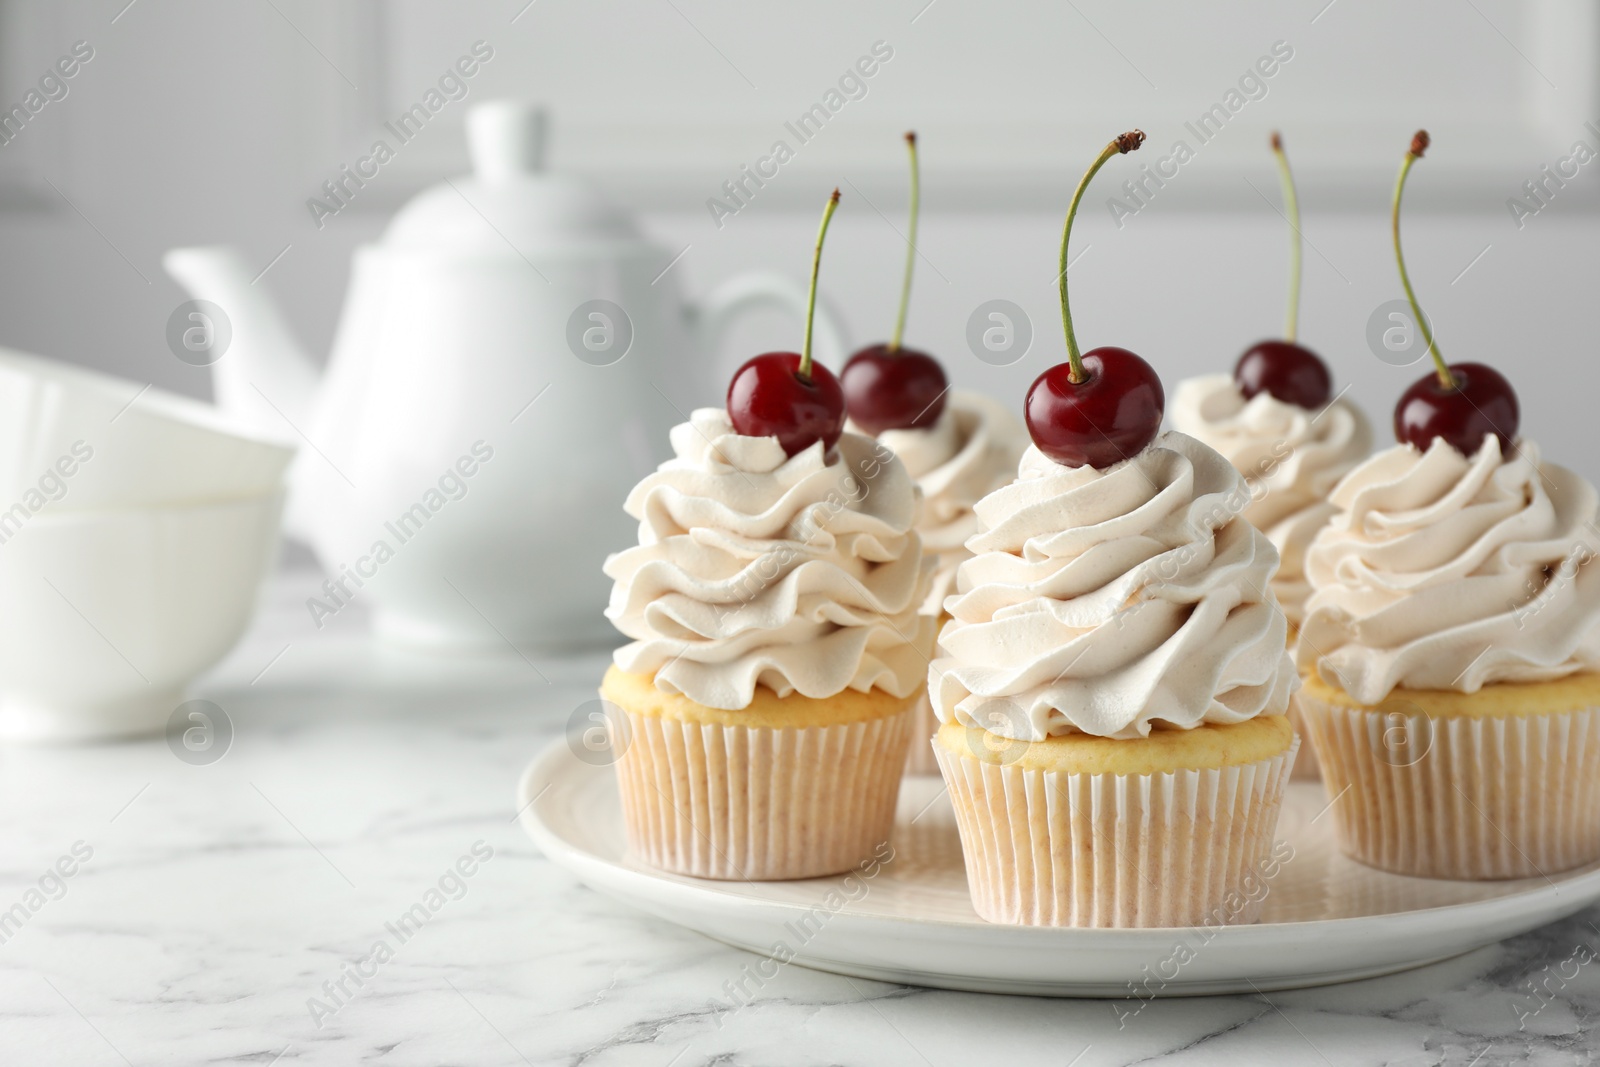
{"type": "Point", "coordinates": [919, 757]}
{"type": "Point", "coordinates": [1461, 797]}
{"type": "Point", "coordinates": [924, 724]}
{"type": "Point", "coordinates": [1306, 767]}
{"type": "Point", "coordinates": [1141, 850]}
{"type": "Point", "coordinates": [756, 803]}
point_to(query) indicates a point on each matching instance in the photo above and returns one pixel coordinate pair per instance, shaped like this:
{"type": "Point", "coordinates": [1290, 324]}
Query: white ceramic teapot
{"type": "Point", "coordinates": [508, 362]}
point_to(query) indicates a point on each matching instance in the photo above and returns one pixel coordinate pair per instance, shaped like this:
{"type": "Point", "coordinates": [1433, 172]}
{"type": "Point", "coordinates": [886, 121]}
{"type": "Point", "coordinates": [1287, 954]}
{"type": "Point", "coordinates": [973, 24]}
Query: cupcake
{"type": "Point", "coordinates": [969, 452]}
{"type": "Point", "coordinates": [1113, 680]}
{"type": "Point", "coordinates": [1291, 457]}
{"type": "Point", "coordinates": [1451, 653]}
{"type": "Point", "coordinates": [1451, 645]}
{"type": "Point", "coordinates": [1112, 689]}
{"type": "Point", "coordinates": [1277, 420]}
{"type": "Point", "coordinates": [764, 704]}
{"type": "Point", "coordinates": [777, 652]}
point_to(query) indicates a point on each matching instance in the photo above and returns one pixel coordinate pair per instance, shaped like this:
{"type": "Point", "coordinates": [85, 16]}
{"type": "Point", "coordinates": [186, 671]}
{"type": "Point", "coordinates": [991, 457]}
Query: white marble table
{"type": "Point", "coordinates": [222, 906]}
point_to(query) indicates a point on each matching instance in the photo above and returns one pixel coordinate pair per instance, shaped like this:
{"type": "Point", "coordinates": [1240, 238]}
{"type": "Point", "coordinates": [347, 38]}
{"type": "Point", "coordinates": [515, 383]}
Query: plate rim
{"type": "Point", "coordinates": [678, 891]}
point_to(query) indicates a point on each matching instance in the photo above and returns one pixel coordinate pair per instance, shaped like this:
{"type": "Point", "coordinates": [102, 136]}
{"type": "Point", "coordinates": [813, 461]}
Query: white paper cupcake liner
{"type": "Point", "coordinates": [1458, 796]}
{"type": "Point", "coordinates": [1306, 767]}
{"type": "Point", "coordinates": [919, 758]}
{"type": "Point", "coordinates": [756, 803]}
{"type": "Point", "coordinates": [924, 724]}
{"type": "Point", "coordinates": [1186, 848]}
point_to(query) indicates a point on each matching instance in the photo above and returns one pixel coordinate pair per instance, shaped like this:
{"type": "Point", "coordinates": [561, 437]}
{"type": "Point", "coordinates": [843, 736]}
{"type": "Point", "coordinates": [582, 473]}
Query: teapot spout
{"type": "Point", "coordinates": [262, 378]}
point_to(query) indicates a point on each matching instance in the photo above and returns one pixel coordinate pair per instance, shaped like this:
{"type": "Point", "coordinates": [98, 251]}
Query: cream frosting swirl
{"type": "Point", "coordinates": [1109, 601]}
{"type": "Point", "coordinates": [802, 574]}
{"type": "Point", "coordinates": [1290, 457]}
{"type": "Point", "coordinates": [1449, 572]}
{"type": "Point", "coordinates": [971, 451]}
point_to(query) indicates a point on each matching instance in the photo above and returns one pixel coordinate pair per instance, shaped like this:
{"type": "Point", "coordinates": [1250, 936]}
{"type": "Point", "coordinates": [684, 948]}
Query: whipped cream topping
{"type": "Point", "coordinates": [1109, 601]}
{"type": "Point", "coordinates": [1291, 458]}
{"type": "Point", "coordinates": [971, 451]}
{"type": "Point", "coordinates": [754, 568]}
{"type": "Point", "coordinates": [1449, 572]}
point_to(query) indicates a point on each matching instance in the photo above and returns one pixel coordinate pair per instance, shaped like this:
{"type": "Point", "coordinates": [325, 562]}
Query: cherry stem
{"type": "Point", "coordinates": [811, 298]}
{"type": "Point", "coordinates": [911, 245]}
{"type": "Point", "coordinates": [1124, 143]}
{"type": "Point", "coordinates": [1419, 144]}
{"type": "Point", "coordinates": [1291, 202]}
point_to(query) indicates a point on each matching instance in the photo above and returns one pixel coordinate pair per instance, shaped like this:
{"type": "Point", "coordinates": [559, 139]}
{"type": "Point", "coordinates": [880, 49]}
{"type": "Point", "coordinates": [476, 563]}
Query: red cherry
{"type": "Point", "coordinates": [1104, 405]}
{"type": "Point", "coordinates": [1290, 372]}
{"type": "Point", "coordinates": [887, 389]}
{"type": "Point", "coordinates": [1482, 402]}
{"type": "Point", "coordinates": [788, 395]}
{"type": "Point", "coordinates": [1109, 416]}
{"type": "Point", "coordinates": [1459, 402]}
{"type": "Point", "coordinates": [768, 397]}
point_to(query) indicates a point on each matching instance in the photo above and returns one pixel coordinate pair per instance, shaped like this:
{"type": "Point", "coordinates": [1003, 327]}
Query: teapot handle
{"type": "Point", "coordinates": [711, 319]}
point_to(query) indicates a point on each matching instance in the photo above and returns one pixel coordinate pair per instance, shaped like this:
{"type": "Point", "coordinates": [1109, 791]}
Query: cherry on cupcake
{"type": "Point", "coordinates": [887, 386]}
{"type": "Point", "coordinates": [778, 395]}
{"type": "Point", "coordinates": [788, 395]}
{"type": "Point", "coordinates": [1290, 372]}
{"type": "Point", "coordinates": [1478, 401]}
{"type": "Point", "coordinates": [1104, 405]}
{"type": "Point", "coordinates": [1287, 370]}
{"type": "Point", "coordinates": [1459, 403]}
{"type": "Point", "coordinates": [1111, 411]}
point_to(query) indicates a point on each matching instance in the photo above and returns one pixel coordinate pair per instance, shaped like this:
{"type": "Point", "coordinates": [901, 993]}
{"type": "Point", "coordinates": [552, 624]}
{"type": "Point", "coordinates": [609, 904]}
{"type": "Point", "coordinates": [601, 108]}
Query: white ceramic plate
{"type": "Point", "coordinates": [1327, 918]}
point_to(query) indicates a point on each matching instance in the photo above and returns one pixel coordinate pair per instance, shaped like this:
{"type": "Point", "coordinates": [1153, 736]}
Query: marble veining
{"type": "Point", "coordinates": [231, 913]}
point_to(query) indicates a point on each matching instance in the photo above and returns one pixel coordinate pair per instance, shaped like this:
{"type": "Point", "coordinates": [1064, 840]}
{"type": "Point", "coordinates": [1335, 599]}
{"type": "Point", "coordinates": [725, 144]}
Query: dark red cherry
{"type": "Point", "coordinates": [1483, 402]}
{"type": "Point", "coordinates": [1109, 416]}
{"type": "Point", "coordinates": [1292, 373]}
{"type": "Point", "coordinates": [769, 398]}
{"type": "Point", "coordinates": [888, 389]}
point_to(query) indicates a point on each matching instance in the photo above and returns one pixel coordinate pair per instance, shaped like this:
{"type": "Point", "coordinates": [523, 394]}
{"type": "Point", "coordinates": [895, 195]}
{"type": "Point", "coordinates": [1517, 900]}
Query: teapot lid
{"type": "Point", "coordinates": [509, 202]}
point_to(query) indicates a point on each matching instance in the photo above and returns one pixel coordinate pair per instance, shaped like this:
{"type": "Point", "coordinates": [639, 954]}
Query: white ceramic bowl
{"type": "Point", "coordinates": [144, 447]}
{"type": "Point", "coordinates": [106, 616]}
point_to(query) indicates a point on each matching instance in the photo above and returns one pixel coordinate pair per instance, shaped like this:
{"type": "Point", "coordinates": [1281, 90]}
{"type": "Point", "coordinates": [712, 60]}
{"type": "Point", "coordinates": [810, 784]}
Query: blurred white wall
{"type": "Point", "coordinates": [202, 121]}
